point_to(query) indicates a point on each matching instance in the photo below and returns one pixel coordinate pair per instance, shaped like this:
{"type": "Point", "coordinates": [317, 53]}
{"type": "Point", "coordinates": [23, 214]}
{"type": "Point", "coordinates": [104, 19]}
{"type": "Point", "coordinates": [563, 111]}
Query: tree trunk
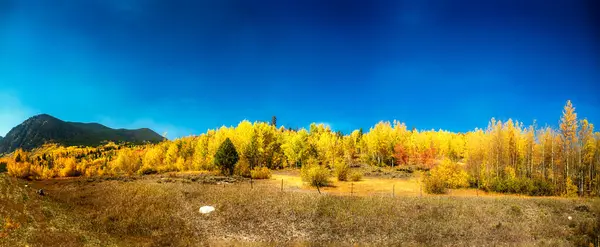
{"type": "Point", "coordinates": [581, 177]}
{"type": "Point", "coordinates": [544, 160]}
{"type": "Point", "coordinates": [497, 164]}
{"type": "Point", "coordinates": [552, 163]}
{"type": "Point", "coordinates": [531, 159]}
{"type": "Point", "coordinates": [567, 167]}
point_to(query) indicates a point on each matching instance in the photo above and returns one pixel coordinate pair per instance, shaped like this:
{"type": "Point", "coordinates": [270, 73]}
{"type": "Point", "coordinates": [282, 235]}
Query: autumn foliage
{"type": "Point", "coordinates": [507, 156]}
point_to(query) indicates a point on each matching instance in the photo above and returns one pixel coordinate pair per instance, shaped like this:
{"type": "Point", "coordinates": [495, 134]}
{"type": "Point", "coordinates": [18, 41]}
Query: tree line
{"type": "Point", "coordinates": [506, 156]}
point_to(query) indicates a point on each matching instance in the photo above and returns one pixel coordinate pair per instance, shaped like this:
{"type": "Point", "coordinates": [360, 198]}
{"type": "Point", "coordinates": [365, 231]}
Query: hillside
{"type": "Point", "coordinates": [43, 128]}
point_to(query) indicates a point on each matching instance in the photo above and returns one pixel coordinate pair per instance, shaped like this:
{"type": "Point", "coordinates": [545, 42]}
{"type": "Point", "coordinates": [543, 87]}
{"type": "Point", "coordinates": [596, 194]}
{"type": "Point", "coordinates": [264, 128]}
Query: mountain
{"type": "Point", "coordinates": [39, 129]}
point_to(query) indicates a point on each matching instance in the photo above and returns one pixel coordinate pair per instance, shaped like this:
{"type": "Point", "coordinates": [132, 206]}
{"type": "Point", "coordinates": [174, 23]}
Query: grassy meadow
{"type": "Point", "coordinates": [162, 210]}
{"type": "Point", "coordinates": [390, 186]}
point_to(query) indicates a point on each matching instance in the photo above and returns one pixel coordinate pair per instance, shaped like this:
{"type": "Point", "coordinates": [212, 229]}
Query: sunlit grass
{"type": "Point", "coordinates": [145, 212]}
{"type": "Point", "coordinates": [370, 186]}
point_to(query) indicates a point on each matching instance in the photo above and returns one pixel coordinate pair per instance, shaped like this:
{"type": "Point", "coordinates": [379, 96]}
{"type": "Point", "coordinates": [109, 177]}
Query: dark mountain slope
{"type": "Point", "coordinates": [43, 128]}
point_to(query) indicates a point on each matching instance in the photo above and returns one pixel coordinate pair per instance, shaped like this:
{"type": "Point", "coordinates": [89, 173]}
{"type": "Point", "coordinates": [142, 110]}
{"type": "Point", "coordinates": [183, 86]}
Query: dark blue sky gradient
{"type": "Point", "coordinates": [186, 66]}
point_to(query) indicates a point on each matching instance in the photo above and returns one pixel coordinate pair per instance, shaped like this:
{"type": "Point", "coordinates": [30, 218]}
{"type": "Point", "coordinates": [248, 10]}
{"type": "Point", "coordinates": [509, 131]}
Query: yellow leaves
{"type": "Point", "coordinates": [261, 173]}
{"type": "Point", "coordinates": [588, 144]}
{"type": "Point", "coordinates": [295, 147]}
{"type": "Point", "coordinates": [451, 174]}
{"type": "Point", "coordinates": [314, 174]}
{"type": "Point", "coordinates": [20, 156]}
{"type": "Point", "coordinates": [49, 173]}
{"type": "Point", "coordinates": [243, 134]}
{"type": "Point", "coordinates": [18, 169]}
{"type": "Point", "coordinates": [379, 143]}
{"type": "Point", "coordinates": [180, 164]}
{"type": "Point", "coordinates": [504, 149]}
{"type": "Point", "coordinates": [153, 157]}
{"type": "Point", "coordinates": [351, 145]}
{"type": "Point", "coordinates": [69, 167]}
{"type": "Point", "coordinates": [568, 125]}
{"type": "Point", "coordinates": [172, 153]}
{"type": "Point", "coordinates": [329, 147]}
{"type": "Point", "coordinates": [110, 146]}
{"type": "Point", "coordinates": [201, 159]}
{"type": "Point", "coordinates": [510, 172]}
{"type": "Point", "coordinates": [242, 168]}
{"type": "Point", "coordinates": [457, 146]}
{"type": "Point", "coordinates": [128, 161]}
{"type": "Point", "coordinates": [571, 188]}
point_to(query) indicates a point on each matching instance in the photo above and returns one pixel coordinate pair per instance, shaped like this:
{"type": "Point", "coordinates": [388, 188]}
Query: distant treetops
{"type": "Point", "coordinates": [507, 156]}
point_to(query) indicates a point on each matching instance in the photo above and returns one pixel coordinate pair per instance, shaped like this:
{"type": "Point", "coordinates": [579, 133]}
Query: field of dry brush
{"type": "Point", "coordinates": [163, 211]}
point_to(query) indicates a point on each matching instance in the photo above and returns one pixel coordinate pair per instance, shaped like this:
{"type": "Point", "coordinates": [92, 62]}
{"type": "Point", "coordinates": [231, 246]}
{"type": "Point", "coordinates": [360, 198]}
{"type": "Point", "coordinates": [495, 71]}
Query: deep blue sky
{"type": "Point", "coordinates": [186, 66]}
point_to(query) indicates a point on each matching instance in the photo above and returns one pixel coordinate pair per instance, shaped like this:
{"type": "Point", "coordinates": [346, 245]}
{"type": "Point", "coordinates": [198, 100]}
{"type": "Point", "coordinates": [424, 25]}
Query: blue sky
{"type": "Point", "coordinates": [186, 66]}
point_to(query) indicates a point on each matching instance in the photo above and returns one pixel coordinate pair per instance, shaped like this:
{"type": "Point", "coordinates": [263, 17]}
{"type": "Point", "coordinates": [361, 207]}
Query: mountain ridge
{"type": "Point", "coordinates": [43, 128]}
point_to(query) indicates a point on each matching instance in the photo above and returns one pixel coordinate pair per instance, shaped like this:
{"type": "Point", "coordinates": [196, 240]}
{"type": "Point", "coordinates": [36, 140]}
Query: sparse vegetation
{"type": "Point", "coordinates": [435, 185]}
{"type": "Point", "coordinates": [135, 212]}
{"type": "Point", "coordinates": [261, 173]}
{"type": "Point", "coordinates": [315, 175]}
{"type": "Point", "coordinates": [341, 170]}
{"type": "Point", "coordinates": [356, 176]}
{"type": "Point", "coordinates": [242, 169]}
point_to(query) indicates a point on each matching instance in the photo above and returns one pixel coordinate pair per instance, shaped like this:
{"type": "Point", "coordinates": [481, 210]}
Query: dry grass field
{"type": "Point", "coordinates": [163, 211]}
{"type": "Point", "coordinates": [384, 185]}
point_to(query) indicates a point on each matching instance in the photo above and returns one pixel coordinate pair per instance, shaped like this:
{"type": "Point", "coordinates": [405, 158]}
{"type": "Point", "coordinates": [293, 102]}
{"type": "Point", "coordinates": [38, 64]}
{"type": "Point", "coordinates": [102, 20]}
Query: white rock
{"type": "Point", "coordinates": [570, 218]}
{"type": "Point", "coordinates": [206, 209]}
{"type": "Point", "coordinates": [26, 186]}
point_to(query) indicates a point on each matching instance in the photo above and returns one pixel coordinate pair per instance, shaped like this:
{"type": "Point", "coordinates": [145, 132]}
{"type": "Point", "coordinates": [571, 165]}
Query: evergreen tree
{"type": "Point", "coordinates": [226, 157]}
{"type": "Point", "coordinates": [274, 121]}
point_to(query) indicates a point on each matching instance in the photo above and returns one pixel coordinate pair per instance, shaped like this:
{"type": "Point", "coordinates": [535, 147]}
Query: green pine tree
{"type": "Point", "coordinates": [226, 157]}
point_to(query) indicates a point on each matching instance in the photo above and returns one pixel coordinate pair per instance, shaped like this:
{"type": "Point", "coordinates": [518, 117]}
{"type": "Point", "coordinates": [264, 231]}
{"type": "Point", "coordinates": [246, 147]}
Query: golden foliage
{"type": "Point", "coordinates": [447, 175]}
{"type": "Point", "coordinates": [505, 150]}
{"type": "Point", "coordinates": [571, 188]}
{"type": "Point", "coordinates": [341, 170]}
{"type": "Point", "coordinates": [315, 175]}
{"type": "Point", "coordinates": [128, 162]}
{"type": "Point", "coordinates": [356, 176]}
{"type": "Point", "coordinates": [261, 173]}
{"type": "Point", "coordinates": [242, 168]}
{"type": "Point", "coordinates": [69, 168]}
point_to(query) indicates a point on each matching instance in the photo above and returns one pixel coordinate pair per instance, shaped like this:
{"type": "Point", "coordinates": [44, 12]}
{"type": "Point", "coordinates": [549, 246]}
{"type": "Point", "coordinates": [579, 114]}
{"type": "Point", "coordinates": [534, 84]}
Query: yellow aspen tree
{"type": "Point", "coordinates": [568, 129]}
{"type": "Point", "coordinates": [586, 154]}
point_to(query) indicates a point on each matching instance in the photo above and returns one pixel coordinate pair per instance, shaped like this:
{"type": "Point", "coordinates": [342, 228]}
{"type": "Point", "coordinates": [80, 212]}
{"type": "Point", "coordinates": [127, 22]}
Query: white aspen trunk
{"type": "Point", "coordinates": [581, 177]}
{"type": "Point", "coordinates": [497, 164]}
{"type": "Point", "coordinates": [544, 159]}
{"type": "Point", "coordinates": [552, 162]}
{"type": "Point", "coordinates": [531, 156]}
{"type": "Point", "coordinates": [567, 167]}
